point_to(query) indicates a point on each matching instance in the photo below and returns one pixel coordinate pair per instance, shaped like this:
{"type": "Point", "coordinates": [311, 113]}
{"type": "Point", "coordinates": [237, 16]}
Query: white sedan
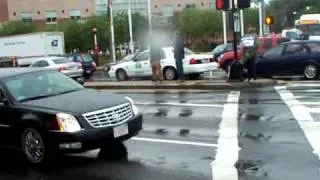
{"type": "Point", "coordinates": [139, 66]}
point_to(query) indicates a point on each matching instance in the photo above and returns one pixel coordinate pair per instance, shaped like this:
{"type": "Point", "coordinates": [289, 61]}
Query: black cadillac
{"type": "Point", "coordinates": [45, 112]}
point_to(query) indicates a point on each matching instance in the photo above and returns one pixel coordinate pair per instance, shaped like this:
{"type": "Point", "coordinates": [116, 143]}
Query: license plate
{"type": "Point", "coordinates": [205, 61]}
{"type": "Point", "coordinates": [120, 130]}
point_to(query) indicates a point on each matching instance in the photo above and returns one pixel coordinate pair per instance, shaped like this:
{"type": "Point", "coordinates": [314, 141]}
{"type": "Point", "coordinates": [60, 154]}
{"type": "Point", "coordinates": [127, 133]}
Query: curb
{"type": "Point", "coordinates": [196, 86]}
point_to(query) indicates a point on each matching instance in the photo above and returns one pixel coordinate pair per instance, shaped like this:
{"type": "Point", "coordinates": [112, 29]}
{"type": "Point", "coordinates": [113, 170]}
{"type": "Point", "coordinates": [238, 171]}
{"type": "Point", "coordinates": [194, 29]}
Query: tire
{"type": "Point", "coordinates": [113, 150]}
{"type": "Point", "coordinates": [121, 75]}
{"type": "Point", "coordinates": [36, 149]}
{"type": "Point", "coordinates": [311, 72]}
{"type": "Point", "coordinates": [170, 73]}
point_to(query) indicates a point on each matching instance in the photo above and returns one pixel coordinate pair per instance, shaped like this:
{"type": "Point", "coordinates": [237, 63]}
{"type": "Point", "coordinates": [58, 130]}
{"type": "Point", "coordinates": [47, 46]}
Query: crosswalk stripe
{"type": "Point", "coordinates": [301, 113]}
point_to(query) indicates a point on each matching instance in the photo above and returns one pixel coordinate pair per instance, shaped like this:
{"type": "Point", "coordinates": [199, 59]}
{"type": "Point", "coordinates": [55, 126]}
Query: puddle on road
{"type": "Point", "coordinates": [186, 113]}
{"type": "Point", "coordinates": [161, 131]}
{"type": "Point", "coordinates": [184, 132]}
{"type": "Point", "coordinates": [256, 137]}
{"type": "Point", "coordinates": [161, 112]}
{"type": "Point", "coordinates": [253, 168]}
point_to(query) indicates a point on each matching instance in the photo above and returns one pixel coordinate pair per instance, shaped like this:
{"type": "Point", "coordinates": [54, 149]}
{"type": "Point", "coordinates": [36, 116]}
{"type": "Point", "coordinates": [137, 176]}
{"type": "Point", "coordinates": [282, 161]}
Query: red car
{"type": "Point", "coordinates": [265, 43]}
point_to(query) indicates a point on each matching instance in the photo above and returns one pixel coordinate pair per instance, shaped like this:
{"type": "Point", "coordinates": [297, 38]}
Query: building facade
{"type": "Point", "coordinates": [121, 6]}
{"type": "Point", "coordinates": [46, 12]}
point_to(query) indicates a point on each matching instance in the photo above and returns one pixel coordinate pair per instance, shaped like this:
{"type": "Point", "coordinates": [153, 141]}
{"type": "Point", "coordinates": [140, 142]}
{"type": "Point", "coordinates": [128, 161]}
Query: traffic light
{"type": "Point", "coordinates": [268, 20]}
{"type": "Point", "coordinates": [222, 4]}
{"type": "Point", "coordinates": [244, 4]}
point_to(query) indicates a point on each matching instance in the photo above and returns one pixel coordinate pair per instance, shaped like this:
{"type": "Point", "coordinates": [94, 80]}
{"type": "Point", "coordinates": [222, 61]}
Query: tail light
{"type": "Point", "coordinates": [94, 64]}
{"type": "Point", "coordinates": [193, 61]}
{"type": "Point", "coordinates": [211, 60]}
{"type": "Point", "coordinates": [62, 68]}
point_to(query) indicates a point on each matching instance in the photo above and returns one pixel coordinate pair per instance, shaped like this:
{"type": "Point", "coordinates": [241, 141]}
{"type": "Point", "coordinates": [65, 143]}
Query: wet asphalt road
{"type": "Point", "coordinates": [180, 139]}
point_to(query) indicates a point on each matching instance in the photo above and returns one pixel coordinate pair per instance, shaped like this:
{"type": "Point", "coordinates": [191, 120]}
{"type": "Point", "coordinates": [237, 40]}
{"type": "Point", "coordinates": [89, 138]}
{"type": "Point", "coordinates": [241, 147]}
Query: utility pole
{"type": "Point", "coordinates": [234, 10]}
{"type": "Point", "coordinates": [130, 27]}
{"type": "Point", "coordinates": [242, 22]}
{"type": "Point", "coordinates": [224, 21]}
{"type": "Point", "coordinates": [113, 49]}
{"type": "Point", "coordinates": [261, 17]}
{"type": "Point", "coordinates": [150, 22]}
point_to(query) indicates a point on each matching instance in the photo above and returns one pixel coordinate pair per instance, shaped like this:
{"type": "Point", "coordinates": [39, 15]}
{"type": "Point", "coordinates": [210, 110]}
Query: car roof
{"type": "Point", "coordinates": [11, 72]}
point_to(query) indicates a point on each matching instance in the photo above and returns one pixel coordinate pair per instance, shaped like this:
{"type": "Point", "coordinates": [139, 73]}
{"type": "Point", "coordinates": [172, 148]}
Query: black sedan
{"type": "Point", "coordinates": [291, 58]}
{"type": "Point", "coordinates": [45, 112]}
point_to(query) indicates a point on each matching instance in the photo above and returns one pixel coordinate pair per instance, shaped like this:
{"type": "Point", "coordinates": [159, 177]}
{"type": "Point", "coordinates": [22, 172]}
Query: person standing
{"type": "Point", "coordinates": [179, 55]}
{"type": "Point", "coordinates": [249, 56]}
{"type": "Point", "coordinates": [155, 61]}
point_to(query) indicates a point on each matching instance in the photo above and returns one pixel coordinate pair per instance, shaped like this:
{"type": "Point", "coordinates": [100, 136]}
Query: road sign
{"type": "Point", "coordinates": [237, 23]}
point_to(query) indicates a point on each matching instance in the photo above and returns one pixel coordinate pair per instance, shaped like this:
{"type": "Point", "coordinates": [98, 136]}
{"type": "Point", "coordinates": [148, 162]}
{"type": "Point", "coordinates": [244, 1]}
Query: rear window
{"type": "Point", "coordinates": [87, 58]}
{"type": "Point", "coordinates": [62, 61]}
{"type": "Point", "coordinates": [188, 51]}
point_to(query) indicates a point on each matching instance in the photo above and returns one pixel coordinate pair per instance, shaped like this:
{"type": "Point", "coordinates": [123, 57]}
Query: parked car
{"type": "Point", "coordinates": [139, 66]}
{"type": "Point", "coordinates": [44, 112]}
{"type": "Point", "coordinates": [265, 43]}
{"type": "Point", "coordinates": [63, 65]}
{"type": "Point", "coordinates": [221, 49]}
{"type": "Point", "coordinates": [88, 65]}
{"type": "Point", "coordinates": [128, 57]}
{"type": "Point", "coordinates": [291, 58]}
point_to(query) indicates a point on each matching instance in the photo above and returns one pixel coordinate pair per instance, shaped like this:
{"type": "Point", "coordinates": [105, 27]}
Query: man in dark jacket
{"type": "Point", "coordinates": [179, 55]}
{"type": "Point", "coordinates": [155, 61]}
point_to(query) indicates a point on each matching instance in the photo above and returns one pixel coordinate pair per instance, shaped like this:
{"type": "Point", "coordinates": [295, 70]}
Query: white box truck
{"type": "Point", "coordinates": [30, 47]}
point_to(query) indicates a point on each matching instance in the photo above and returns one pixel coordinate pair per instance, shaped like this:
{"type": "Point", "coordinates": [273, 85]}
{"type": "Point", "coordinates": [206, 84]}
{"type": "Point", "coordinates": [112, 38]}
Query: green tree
{"type": "Point", "coordinates": [16, 27]}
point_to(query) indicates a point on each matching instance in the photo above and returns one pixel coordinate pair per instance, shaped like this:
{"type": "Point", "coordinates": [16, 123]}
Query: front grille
{"type": "Point", "coordinates": [109, 117]}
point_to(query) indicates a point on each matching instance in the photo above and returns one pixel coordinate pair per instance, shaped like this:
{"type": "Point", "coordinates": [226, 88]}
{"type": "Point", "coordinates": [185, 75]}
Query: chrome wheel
{"type": "Point", "coordinates": [170, 74]}
{"type": "Point", "coordinates": [311, 71]}
{"type": "Point", "coordinates": [33, 146]}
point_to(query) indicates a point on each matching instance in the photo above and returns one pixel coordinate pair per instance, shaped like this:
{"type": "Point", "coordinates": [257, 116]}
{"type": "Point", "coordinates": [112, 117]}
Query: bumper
{"type": "Point", "coordinates": [199, 68]}
{"type": "Point", "coordinates": [94, 138]}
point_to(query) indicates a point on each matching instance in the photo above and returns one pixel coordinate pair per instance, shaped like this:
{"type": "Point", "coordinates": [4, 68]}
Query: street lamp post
{"type": "Point", "coordinates": [150, 21]}
{"type": "Point", "coordinates": [95, 46]}
{"type": "Point", "coordinates": [130, 27]}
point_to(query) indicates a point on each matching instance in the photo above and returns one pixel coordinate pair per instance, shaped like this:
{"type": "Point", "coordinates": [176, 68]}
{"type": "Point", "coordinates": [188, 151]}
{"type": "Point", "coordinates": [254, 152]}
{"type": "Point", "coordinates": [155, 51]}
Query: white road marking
{"type": "Point", "coordinates": [310, 103]}
{"type": "Point", "coordinates": [223, 167]}
{"type": "Point", "coordinates": [314, 110]}
{"type": "Point", "coordinates": [301, 113]}
{"type": "Point", "coordinates": [174, 142]}
{"type": "Point", "coordinates": [181, 104]}
{"type": "Point", "coordinates": [309, 84]}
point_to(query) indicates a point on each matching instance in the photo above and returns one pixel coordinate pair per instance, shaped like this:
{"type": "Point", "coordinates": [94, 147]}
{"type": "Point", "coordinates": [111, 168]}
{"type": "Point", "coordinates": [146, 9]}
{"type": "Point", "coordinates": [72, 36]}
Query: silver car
{"type": "Point", "coordinates": [63, 65]}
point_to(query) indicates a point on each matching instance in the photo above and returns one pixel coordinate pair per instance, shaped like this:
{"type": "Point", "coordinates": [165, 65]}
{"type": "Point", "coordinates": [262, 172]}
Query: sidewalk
{"type": "Point", "coordinates": [187, 85]}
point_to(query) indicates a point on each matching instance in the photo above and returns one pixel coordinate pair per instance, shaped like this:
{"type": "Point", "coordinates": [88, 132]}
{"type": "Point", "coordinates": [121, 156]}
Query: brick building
{"type": "Point", "coordinates": [45, 12]}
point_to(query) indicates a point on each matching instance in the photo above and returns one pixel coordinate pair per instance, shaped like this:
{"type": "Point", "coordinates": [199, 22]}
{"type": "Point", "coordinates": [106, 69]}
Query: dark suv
{"type": "Point", "coordinates": [44, 112]}
{"type": "Point", "coordinates": [88, 65]}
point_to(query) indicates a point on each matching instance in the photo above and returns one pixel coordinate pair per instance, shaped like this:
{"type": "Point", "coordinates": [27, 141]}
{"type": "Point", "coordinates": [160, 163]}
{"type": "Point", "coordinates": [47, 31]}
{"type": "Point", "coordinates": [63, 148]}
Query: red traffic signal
{"type": "Point", "coordinates": [222, 4]}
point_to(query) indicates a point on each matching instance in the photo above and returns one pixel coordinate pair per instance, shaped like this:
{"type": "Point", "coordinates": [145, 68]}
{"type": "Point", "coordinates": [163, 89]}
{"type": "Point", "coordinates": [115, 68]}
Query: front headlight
{"type": "Point", "coordinates": [67, 123]}
{"type": "Point", "coordinates": [134, 107]}
{"type": "Point", "coordinates": [221, 56]}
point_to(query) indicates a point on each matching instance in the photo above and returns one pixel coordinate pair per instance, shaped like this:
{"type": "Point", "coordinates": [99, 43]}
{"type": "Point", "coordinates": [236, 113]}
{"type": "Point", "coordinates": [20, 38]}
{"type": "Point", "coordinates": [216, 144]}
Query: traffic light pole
{"type": "Point", "coordinates": [235, 49]}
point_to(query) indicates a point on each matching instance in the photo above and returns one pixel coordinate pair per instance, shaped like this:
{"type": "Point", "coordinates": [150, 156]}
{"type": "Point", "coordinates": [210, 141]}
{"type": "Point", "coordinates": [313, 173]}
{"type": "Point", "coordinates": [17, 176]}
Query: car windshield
{"type": "Point", "coordinates": [188, 51]}
{"type": "Point", "coordinates": [39, 85]}
{"type": "Point", "coordinates": [62, 61]}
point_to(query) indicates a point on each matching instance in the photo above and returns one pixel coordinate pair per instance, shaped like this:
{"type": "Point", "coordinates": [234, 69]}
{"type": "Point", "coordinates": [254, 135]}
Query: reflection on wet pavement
{"type": "Point", "coordinates": [257, 137]}
{"type": "Point", "coordinates": [186, 113]}
{"type": "Point", "coordinates": [253, 168]}
{"type": "Point", "coordinates": [161, 112]}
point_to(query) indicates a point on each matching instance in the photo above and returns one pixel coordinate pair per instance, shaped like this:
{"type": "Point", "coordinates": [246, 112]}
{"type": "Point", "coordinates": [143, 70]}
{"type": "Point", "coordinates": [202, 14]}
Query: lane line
{"type": "Point", "coordinates": [181, 104]}
{"type": "Point", "coordinates": [301, 113]}
{"type": "Point", "coordinates": [223, 167]}
{"type": "Point", "coordinates": [309, 84]}
{"type": "Point", "coordinates": [174, 142]}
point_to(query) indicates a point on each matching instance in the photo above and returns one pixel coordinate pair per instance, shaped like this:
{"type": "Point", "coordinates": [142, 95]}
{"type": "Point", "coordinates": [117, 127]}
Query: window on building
{"type": "Point", "coordinates": [75, 14]}
{"type": "Point", "coordinates": [51, 16]}
{"type": "Point", "coordinates": [26, 17]}
{"type": "Point", "coordinates": [167, 10]}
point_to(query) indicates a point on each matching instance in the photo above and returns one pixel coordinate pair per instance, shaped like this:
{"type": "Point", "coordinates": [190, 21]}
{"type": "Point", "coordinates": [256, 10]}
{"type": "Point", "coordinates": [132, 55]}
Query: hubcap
{"type": "Point", "coordinates": [169, 74]}
{"type": "Point", "coordinates": [310, 71]}
{"type": "Point", "coordinates": [33, 146]}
